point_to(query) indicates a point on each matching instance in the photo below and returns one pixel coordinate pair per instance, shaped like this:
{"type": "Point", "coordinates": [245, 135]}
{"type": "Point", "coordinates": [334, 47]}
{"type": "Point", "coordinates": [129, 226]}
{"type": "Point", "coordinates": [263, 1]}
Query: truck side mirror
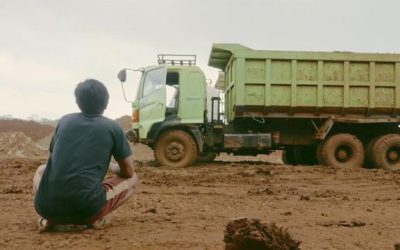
{"type": "Point", "coordinates": [122, 75]}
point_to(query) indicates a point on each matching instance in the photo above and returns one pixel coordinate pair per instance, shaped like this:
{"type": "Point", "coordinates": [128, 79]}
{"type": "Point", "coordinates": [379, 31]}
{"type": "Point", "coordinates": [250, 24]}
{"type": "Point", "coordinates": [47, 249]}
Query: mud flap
{"type": "Point", "coordinates": [199, 139]}
{"type": "Point", "coordinates": [132, 136]}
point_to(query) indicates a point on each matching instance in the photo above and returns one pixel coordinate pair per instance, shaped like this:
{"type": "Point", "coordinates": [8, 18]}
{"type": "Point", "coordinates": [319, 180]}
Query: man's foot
{"type": "Point", "coordinates": [43, 225]}
{"type": "Point", "coordinates": [101, 223]}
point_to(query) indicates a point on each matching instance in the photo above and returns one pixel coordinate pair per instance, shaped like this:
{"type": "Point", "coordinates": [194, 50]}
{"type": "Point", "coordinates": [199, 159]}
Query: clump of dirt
{"type": "Point", "coordinates": [241, 234]}
{"type": "Point", "coordinates": [32, 129]}
{"type": "Point", "coordinates": [342, 223]}
{"type": "Point", "coordinates": [17, 144]}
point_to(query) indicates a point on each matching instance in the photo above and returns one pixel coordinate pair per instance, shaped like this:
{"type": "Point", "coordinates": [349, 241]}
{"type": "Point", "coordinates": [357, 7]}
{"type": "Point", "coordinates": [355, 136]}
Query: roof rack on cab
{"type": "Point", "coordinates": [175, 59]}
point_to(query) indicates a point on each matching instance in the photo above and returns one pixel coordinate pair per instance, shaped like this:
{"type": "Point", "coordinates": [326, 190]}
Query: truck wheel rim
{"type": "Point", "coordinates": [175, 151]}
{"type": "Point", "coordinates": [392, 155]}
{"type": "Point", "coordinates": [344, 153]}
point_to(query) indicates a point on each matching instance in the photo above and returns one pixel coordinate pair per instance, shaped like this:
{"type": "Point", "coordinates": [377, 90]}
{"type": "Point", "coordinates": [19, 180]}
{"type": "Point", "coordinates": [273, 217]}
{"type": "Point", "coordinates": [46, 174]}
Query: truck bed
{"type": "Point", "coordinates": [307, 84]}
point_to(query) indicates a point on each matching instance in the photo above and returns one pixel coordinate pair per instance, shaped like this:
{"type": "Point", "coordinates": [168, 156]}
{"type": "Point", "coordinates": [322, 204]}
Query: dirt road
{"type": "Point", "coordinates": [325, 208]}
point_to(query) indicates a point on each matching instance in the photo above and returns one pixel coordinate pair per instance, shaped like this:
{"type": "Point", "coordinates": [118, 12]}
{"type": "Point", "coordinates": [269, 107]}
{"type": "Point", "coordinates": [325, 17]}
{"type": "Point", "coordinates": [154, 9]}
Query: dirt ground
{"type": "Point", "coordinates": [324, 208]}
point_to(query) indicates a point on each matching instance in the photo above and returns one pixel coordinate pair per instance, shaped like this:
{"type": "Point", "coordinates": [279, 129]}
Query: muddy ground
{"type": "Point", "coordinates": [324, 208]}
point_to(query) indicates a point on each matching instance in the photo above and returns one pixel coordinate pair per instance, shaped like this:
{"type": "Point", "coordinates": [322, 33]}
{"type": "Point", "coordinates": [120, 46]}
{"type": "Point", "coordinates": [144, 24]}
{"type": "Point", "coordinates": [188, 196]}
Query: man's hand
{"type": "Point", "coordinates": [126, 168]}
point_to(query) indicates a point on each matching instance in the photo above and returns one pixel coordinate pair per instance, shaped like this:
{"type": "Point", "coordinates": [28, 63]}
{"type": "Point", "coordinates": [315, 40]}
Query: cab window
{"type": "Point", "coordinates": [172, 78]}
{"type": "Point", "coordinates": [172, 88]}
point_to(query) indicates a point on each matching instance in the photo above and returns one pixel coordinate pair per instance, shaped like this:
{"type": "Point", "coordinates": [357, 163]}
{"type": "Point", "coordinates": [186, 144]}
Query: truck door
{"type": "Point", "coordinates": [152, 102]}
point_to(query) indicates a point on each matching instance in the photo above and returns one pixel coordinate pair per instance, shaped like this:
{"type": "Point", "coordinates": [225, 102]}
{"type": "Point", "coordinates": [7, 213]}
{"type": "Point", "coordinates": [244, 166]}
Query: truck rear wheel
{"type": "Point", "coordinates": [175, 148]}
{"type": "Point", "coordinates": [206, 156]}
{"type": "Point", "coordinates": [342, 150]}
{"type": "Point", "coordinates": [386, 152]}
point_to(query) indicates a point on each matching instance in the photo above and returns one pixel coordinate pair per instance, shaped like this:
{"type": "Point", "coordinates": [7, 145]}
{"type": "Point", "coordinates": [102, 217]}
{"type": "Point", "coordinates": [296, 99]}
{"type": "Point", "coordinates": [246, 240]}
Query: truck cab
{"type": "Point", "coordinates": [170, 102]}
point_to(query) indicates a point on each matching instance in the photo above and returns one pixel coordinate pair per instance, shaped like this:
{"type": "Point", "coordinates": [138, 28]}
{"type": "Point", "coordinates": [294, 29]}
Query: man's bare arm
{"type": "Point", "coordinates": [126, 167]}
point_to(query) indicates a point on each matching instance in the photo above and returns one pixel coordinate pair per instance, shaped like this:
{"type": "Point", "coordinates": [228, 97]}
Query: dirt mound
{"type": "Point", "coordinates": [17, 144]}
{"type": "Point", "coordinates": [246, 233]}
{"type": "Point", "coordinates": [125, 122]}
{"type": "Point", "coordinates": [26, 165]}
{"type": "Point", "coordinates": [32, 129]}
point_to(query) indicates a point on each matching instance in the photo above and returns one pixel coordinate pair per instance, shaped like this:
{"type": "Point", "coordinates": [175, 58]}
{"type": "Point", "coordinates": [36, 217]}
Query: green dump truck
{"type": "Point", "coordinates": [332, 108]}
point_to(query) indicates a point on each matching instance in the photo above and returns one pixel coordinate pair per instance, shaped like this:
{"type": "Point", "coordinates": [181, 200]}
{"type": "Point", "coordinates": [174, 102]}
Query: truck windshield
{"type": "Point", "coordinates": [132, 84]}
{"type": "Point", "coordinates": [154, 80]}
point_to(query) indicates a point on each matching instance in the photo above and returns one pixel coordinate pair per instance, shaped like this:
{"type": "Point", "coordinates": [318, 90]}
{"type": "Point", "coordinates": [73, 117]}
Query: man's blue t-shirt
{"type": "Point", "coordinates": [80, 152]}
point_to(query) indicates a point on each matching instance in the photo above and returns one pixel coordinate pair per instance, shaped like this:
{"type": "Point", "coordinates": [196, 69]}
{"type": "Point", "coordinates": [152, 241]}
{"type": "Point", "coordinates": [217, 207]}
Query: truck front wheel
{"type": "Point", "coordinates": [386, 152]}
{"type": "Point", "coordinates": [342, 150]}
{"type": "Point", "coordinates": [175, 148]}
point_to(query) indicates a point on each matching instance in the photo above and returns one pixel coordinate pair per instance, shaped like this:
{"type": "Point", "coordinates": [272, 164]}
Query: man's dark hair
{"type": "Point", "coordinates": [91, 97]}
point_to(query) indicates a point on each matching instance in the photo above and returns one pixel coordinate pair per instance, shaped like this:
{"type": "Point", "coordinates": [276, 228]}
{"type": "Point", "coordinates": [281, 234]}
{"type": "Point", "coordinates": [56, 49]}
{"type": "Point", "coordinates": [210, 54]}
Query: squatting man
{"type": "Point", "coordinates": [70, 188]}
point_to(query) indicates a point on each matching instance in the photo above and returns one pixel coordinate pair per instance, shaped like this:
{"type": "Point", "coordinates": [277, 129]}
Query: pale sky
{"type": "Point", "coordinates": [47, 47]}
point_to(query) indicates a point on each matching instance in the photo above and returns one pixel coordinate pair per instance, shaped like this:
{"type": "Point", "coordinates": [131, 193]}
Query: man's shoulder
{"type": "Point", "coordinates": [98, 119]}
{"type": "Point", "coordinates": [87, 117]}
{"type": "Point", "coordinates": [68, 117]}
{"type": "Point", "coordinates": [108, 121]}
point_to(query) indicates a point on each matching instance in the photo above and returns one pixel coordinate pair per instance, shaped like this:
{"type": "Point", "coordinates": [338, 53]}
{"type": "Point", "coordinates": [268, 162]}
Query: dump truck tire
{"type": "Point", "coordinates": [175, 148]}
{"type": "Point", "coordinates": [386, 152]}
{"type": "Point", "coordinates": [342, 150]}
{"type": "Point", "coordinates": [206, 156]}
